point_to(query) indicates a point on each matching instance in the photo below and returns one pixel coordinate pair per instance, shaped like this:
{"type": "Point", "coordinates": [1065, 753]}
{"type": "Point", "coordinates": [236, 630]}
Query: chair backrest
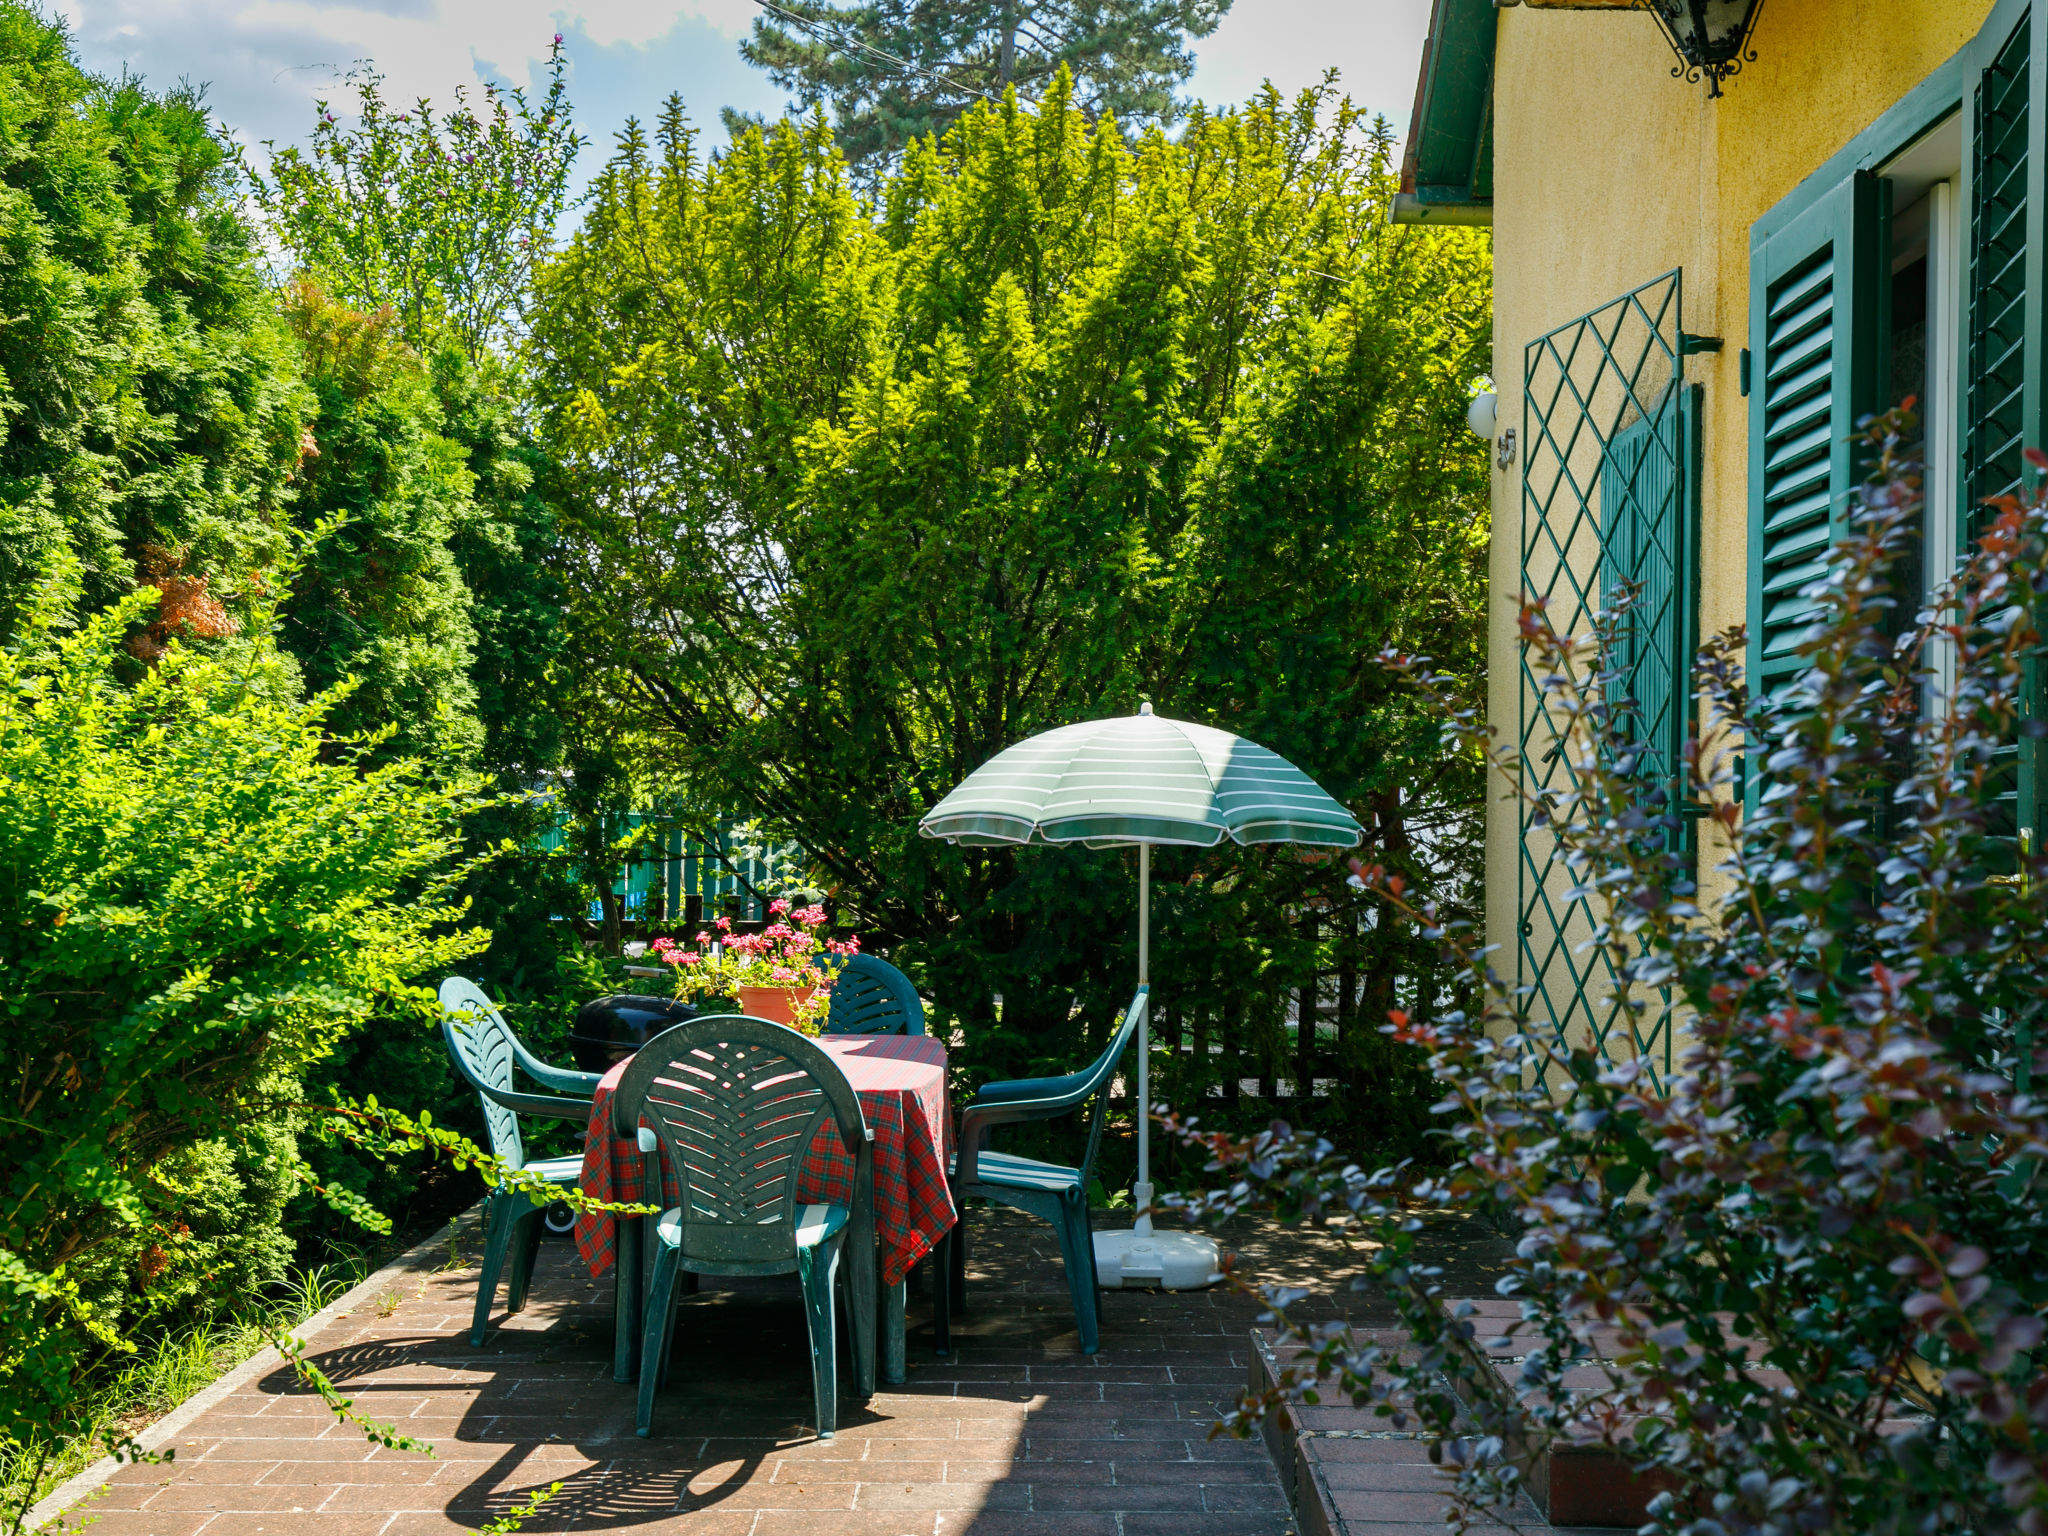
{"type": "Point", "coordinates": [872, 997]}
{"type": "Point", "coordinates": [481, 1043]}
{"type": "Point", "coordinates": [1103, 1070]}
{"type": "Point", "coordinates": [735, 1103]}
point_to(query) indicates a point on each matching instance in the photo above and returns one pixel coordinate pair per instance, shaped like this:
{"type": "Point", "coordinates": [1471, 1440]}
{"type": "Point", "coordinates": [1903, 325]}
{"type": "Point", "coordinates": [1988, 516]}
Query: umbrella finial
{"type": "Point", "coordinates": [1145, 708]}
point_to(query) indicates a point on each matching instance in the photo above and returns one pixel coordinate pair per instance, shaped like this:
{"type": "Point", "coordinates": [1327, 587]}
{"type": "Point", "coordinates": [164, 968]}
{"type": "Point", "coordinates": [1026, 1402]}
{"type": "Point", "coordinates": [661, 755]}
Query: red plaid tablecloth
{"type": "Point", "coordinates": [901, 1080]}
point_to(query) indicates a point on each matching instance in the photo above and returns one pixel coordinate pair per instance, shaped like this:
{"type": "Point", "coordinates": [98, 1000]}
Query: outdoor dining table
{"type": "Point", "coordinates": [901, 1080]}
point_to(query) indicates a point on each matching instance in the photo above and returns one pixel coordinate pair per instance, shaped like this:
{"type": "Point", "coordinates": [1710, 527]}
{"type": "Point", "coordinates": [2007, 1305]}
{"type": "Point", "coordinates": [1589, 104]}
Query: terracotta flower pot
{"type": "Point", "coordinates": [774, 1003]}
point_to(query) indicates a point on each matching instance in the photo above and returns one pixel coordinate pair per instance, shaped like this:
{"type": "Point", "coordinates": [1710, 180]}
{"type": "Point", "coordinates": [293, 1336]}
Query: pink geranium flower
{"type": "Point", "coordinates": [782, 955]}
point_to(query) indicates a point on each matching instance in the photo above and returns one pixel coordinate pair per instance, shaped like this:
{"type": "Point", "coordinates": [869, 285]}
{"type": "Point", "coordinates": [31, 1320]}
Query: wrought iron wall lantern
{"type": "Point", "coordinates": [1710, 37]}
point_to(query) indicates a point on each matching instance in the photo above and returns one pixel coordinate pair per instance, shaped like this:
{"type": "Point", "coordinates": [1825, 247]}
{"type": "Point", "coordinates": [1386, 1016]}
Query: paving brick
{"type": "Point", "coordinates": [392, 1472]}
{"type": "Point", "coordinates": [702, 1522]}
{"type": "Point", "coordinates": [216, 1498]}
{"type": "Point", "coordinates": [272, 1449]}
{"type": "Point", "coordinates": [1011, 1523]}
{"type": "Point", "coordinates": [866, 1523]}
{"type": "Point", "coordinates": [1210, 1525]}
{"type": "Point", "coordinates": [786, 1471]}
{"type": "Point", "coordinates": [1139, 1496]}
{"type": "Point", "coordinates": [193, 1469]}
{"type": "Point", "coordinates": [1409, 1453]}
{"type": "Point", "coordinates": [114, 1496]}
{"type": "Point", "coordinates": [297, 1525]}
{"type": "Point", "coordinates": [1209, 1473]}
{"type": "Point", "coordinates": [936, 1496]}
{"type": "Point", "coordinates": [142, 1522]}
{"type": "Point", "coordinates": [759, 1493]}
{"type": "Point", "coordinates": [1381, 1476]}
{"type": "Point", "coordinates": [1247, 1498]}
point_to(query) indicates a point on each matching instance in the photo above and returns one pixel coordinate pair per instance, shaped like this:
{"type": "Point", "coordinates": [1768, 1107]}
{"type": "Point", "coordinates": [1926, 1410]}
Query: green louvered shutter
{"type": "Point", "coordinates": [2001, 404]}
{"type": "Point", "coordinates": [1649, 535]}
{"type": "Point", "coordinates": [1819, 290]}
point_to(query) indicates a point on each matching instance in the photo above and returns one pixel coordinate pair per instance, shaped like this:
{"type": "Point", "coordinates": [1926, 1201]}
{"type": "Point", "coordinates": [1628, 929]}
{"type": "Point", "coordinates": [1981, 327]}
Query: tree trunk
{"type": "Point", "coordinates": [1006, 58]}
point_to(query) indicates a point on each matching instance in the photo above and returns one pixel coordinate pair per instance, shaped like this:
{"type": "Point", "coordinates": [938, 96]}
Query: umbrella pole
{"type": "Point", "coordinates": [1141, 1195]}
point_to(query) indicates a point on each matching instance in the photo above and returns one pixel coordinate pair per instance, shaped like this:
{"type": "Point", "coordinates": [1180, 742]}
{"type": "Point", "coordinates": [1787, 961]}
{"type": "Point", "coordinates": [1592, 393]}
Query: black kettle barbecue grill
{"type": "Point", "coordinates": [609, 1029]}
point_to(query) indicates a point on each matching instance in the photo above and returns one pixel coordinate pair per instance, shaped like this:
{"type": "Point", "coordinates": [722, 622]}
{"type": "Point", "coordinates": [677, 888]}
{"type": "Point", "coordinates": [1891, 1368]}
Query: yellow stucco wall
{"type": "Point", "coordinates": [1607, 172]}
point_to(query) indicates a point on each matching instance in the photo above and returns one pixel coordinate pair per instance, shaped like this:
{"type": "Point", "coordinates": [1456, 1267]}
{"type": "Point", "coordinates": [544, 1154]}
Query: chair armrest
{"type": "Point", "coordinates": [1043, 1098]}
{"type": "Point", "coordinates": [561, 1079]}
{"type": "Point", "coordinates": [547, 1105]}
{"type": "Point", "coordinates": [978, 1118]}
{"type": "Point", "coordinates": [1014, 1090]}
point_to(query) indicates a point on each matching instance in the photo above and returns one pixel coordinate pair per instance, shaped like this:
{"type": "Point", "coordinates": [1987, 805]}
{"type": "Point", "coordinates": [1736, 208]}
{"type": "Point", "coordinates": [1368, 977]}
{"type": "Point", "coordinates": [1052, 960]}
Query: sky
{"type": "Point", "coordinates": [265, 62]}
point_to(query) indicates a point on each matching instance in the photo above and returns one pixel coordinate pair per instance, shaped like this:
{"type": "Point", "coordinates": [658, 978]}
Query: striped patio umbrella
{"type": "Point", "coordinates": [1141, 780]}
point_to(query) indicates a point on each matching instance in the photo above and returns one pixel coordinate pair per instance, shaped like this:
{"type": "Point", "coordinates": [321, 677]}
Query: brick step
{"type": "Point", "coordinates": [1582, 1483]}
{"type": "Point", "coordinates": [1347, 1474]}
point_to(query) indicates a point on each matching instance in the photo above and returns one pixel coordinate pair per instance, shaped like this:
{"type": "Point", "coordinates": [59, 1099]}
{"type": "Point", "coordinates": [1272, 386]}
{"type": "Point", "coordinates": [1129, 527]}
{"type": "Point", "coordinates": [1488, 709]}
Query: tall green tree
{"type": "Point", "coordinates": [1069, 422]}
{"type": "Point", "coordinates": [439, 217]}
{"type": "Point", "coordinates": [380, 599]}
{"type": "Point", "coordinates": [897, 70]}
{"type": "Point", "coordinates": [411, 236]}
{"type": "Point", "coordinates": [150, 412]}
{"type": "Point", "coordinates": [425, 225]}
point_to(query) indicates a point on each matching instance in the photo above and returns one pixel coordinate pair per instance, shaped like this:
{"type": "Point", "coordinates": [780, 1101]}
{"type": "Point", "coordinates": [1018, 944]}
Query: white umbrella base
{"type": "Point", "coordinates": [1167, 1261]}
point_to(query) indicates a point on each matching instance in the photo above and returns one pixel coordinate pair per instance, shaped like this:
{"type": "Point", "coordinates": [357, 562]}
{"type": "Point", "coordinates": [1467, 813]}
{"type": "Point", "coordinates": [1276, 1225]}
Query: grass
{"type": "Point", "coordinates": [163, 1374]}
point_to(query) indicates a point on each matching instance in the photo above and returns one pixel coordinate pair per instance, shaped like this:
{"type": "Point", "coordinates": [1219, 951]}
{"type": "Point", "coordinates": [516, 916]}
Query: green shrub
{"type": "Point", "coordinates": [201, 892]}
{"type": "Point", "coordinates": [1841, 1182]}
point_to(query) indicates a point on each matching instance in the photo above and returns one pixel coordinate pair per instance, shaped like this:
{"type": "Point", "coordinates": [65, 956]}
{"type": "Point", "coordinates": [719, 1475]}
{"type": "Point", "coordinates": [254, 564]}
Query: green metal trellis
{"type": "Point", "coordinates": [1608, 477]}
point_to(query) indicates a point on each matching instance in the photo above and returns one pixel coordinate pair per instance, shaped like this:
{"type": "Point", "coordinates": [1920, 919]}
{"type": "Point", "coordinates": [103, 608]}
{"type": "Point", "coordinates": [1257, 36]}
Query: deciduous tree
{"type": "Point", "coordinates": [1071, 421]}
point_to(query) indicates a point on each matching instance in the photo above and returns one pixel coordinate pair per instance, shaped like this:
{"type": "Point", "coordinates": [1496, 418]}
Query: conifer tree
{"type": "Point", "coordinates": [896, 70]}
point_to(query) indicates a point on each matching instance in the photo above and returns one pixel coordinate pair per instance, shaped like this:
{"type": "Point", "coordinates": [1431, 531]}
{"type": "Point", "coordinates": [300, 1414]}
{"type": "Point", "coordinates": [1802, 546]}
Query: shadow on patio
{"type": "Point", "coordinates": [1019, 1433]}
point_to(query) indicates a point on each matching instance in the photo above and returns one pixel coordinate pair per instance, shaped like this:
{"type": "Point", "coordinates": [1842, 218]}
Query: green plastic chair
{"type": "Point", "coordinates": [1050, 1191]}
{"type": "Point", "coordinates": [485, 1050]}
{"type": "Point", "coordinates": [871, 997]}
{"type": "Point", "coordinates": [733, 1104]}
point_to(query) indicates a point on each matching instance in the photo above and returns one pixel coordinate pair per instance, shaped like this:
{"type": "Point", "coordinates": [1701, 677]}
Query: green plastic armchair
{"type": "Point", "coordinates": [485, 1050]}
{"type": "Point", "coordinates": [1050, 1191]}
{"type": "Point", "coordinates": [871, 997]}
{"type": "Point", "coordinates": [733, 1104]}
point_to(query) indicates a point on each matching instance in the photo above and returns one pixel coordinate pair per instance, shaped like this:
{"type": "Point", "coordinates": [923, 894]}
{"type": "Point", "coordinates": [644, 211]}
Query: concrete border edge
{"type": "Point", "coordinates": [76, 1489]}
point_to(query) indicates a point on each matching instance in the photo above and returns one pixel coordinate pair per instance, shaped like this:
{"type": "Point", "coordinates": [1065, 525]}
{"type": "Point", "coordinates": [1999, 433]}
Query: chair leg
{"type": "Point", "coordinates": [685, 1284]}
{"type": "Point", "coordinates": [817, 1267]}
{"type": "Point", "coordinates": [941, 1264]}
{"type": "Point", "coordinates": [862, 1269]}
{"type": "Point", "coordinates": [525, 1245]}
{"type": "Point", "coordinates": [1075, 1242]}
{"type": "Point", "coordinates": [497, 1234]}
{"type": "Point", "coordinates": [894, 1367]}
{"type": "Point", "coordinates": [654, 1333]}
{"type": "Point", "coordinates": [631, 1286]}
{"type": "Point", "coordinates": [956, 1263]}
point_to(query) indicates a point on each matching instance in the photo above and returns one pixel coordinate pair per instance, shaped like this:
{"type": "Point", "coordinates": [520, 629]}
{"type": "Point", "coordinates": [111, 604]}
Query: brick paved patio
{"type": "Point", "coordinates": [1017, 1435]}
